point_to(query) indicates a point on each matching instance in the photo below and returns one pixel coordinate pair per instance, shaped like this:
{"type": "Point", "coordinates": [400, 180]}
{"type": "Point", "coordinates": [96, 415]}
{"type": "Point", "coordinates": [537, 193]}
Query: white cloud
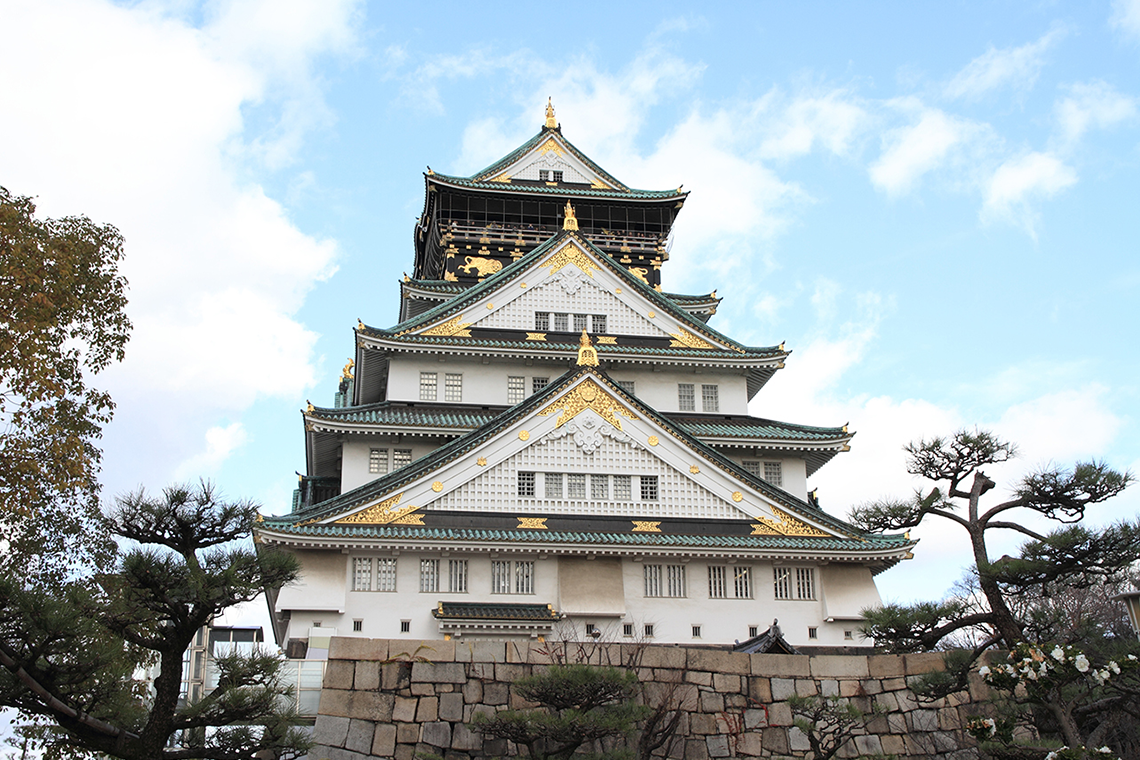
{"type": "Point", "coordinates": [1020, 180]}
{"type": "Point", "coordinates": [1092, 104]}
{"type": "Point", "coordinates": [220, 443]}
{"type": "Point", "coordinates": [912, 151]}
{"type": "Point", "coordinates": [1126, 17]}
{"type": "Point", "coordinates": [832, 120]}
{"type": "Point", "coordinates": [1014, 67]}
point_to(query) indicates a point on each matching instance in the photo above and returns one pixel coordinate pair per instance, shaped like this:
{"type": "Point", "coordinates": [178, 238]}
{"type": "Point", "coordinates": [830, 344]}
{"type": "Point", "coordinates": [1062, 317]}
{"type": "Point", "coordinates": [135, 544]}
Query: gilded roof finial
{"type": "Point", "coordinates": [347, 373]}
{"type": "Point", "coordinates": [570, 222]}
{"type": "Point", "coordinates": [587, 354]}
{"type": "Point", "coordinates": [551, 122]}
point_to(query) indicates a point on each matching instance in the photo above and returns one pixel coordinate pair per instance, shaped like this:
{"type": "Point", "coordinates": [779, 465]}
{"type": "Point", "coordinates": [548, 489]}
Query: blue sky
{"type": "Point", "coordinates": [933, 204]}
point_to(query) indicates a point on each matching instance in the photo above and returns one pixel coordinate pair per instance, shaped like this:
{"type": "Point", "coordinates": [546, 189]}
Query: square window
{"type": "Point", "coordinates": [386, 574]}
{"type": "Point", "coordinates": [576, 486]}
{"type": "Point", "coordinates": [428, 384]}
{"type": "Point", "coordinates": [526, 484]}
{"type": "Point", "coordinates": [543, 175]}
{"type": "Point", "coordinates": [457, 576]}
{"type": "Point", "coordinates": [849, 635]}
{"type": "Point", "coordinates": [361, 573]}
{"type": "Point", "coordinates": [429, 575]}
{"type": "Point", "coordinates": [591, 630]}
{"type": "Point", "coordinates": [696, 631]}
{"type": "Point", "coordinates": [813, 632]}
{"type": "Point", "coordinates": [753, 631]}
{"type": "Point", "coordinates": [627, 629]}
{"type": "Point", "coordinates": [773, 473]}
{"type": "Point", "coordinates": [752, 467]}
{"type": "Point", "coordinates": [626, 385]}
{"type": "Point", "coordinates": [717, 586]}
{"type": "Point", "coordinates": [378, 461]}
{"type": "Point", "coordinates": [710, 398]}
{"type": "Point", "coordinates": [405, 626]}
{"type": "Point", "coordinates": [648, 487]}
{"type": "Point", "coordinates": [600, 487]}
{"type": "Point", "coordinates": [538, 383]}
{"type": "Point", "coordinates": [685, 400]}
{"type": "Point", "coordinates": [598, 323]}
{"type": "Point", "coordinates": [553, 483]}
{"type": "Point", "coordinates": [516, 389]}
{"type": "Point", "coordinates": [557, 175]}
{"type": "Point", "coordinates": [542, 321]}
{"type": "Point", "coordinates": [580, 322]}
{"type": "Point", "coordinates": [453, 387]}
{"type": "Point", "coordinates": [401, 458]}
{"type": "Point", "coordinates": [648, 630]}
{"type": "Point", "coordinates": [561, 323]}
{"type": "Point", "coordinates": [358, 625]}
{"type": "Point", "coordinates": [623, 487]}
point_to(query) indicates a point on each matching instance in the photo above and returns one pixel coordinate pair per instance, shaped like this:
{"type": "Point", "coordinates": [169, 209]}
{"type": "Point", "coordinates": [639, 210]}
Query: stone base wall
{"type": "Point", "coordinates": [399, 699]}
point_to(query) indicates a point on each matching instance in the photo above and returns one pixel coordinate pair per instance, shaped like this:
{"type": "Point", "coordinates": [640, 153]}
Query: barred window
{"type": "Point", "coordinates": [623, 490]}
{"type": "Point", "coordinates": [453, 387]}
{"type": "Point", "coordinates": [516, 389]}
{"type": "Point", "coordinates": [676, 577]}
{"type": "Point", "coordinates": [580, 322]}
{"type": "Point", "coordinates": [557, 175]}
{"type": "Point", "coordinates": [710, 398]}
{"type": "Point", "coordinates": [524, 577]}
{"type": "Point", "coordinates": [429, 575]}
{"type": "Point", "coordinates": [600, 487]}
{"type": "Point", "coordinates": [361, 573]}
{"type": "Point", "coordinates": [576, 486]}
{"type": "Point", "coordinates": [386, 574]}
{"type": "Point", "coordinates": [457, 576]}
{"type": "Point", "coordinates": [526, 484]}
{"type": "Point", "coordinates": [542, 321]}
{"type": "Point", "coordinates": [627, 629]}
{"type": "Point", "coordinates": [717, 589]}
{"type": "Point", "coordinates": [805, 583]}
{"type": "Point", "coordinates": [649, 488]}
{"type": "Point", "coordinates": [742, 582]}
{"type": "Point", "coordinates": [783, 580]}
{"type": "Point", "coordinates": [553, 483]}
{"type": "Point", "coordinates": [428, 384]}
{"type": "Point", "coordinates": [401, 458]}
{"type": "Point", "coordinates": [685, 399]}
{"type": "Point", "coordinates": [378, 461]}
{"type": "Point", "coordinates": [773, 473]}
{"type": "Point", "coordinates": [561, 323]}
{"type": "Point", "coordinates": [649, 630]}
{"type": "Point", "coordinates": [543, 175]}
{"type": "Point", "coordinates": [652, 580]}
{"type": "Point", "coordinates": [598, 323]}
{"type": "Point", "coordinates": [667, 580]}
{"type": "Point", "coordinates": [751, 467]}
{"type": "Point", "coordinates": [500, 577]}
{"type": "Point", "coordinates": [696, 631]}
{"type": "Point", "coordinates": [626, 385]}
{"type": "Point", "coordinates": [538, 383]}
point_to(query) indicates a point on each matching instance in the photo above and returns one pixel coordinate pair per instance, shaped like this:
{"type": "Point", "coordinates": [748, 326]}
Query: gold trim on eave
{"type": "Point", "coordinates": [786, 526]}
{"type": "Point", "coordinates": [532, 523]}
{"type": "Point", "coordinates": [451, 328]}
{"type": "Point", "coordinates": [646, 526]}
{"type": "Point", "coordinates": [380, 514]}
{"type": "Point", "coordinates": [570, 254]}
{"type": "Point", "coordinates": [685, 339]}
{"type": "Point", "coordinates": [588, 395]}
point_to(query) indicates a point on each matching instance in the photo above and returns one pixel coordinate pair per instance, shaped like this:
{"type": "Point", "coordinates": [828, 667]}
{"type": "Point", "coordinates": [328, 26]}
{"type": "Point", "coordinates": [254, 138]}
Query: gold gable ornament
{"type": "Point", "coordinates": [570, 222]}
{"type": "Point", "coordinates": [587, 354]}
{"type": "Point", "coordinates": [588, 395]}
{"type": "Point", "coordinates": [786, 526]}
{"type": "Point", "coordinates": [383, 513]}
{"type": "Point", "coordinates": [551, 122]}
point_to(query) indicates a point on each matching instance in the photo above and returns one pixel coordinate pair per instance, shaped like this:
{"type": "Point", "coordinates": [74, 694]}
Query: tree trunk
{"type": "Point", "coordinates": [1003, 620]}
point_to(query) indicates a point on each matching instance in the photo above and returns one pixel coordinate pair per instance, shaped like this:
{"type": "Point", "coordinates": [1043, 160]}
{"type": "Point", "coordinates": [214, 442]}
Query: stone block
{"type": "Point", "coordinates": [367, 705]}
{"type": "Point", "coordinates": [878, 725]}
{"type": "Point", "coordinates": [719, 661]}
{"type": "Point", "coordinates": [718, 746]}
{"type": "Point", "coordinates": [338, 674]}
{"type": "Point", "coordinates": [699, 677]}
{"type": "Point", "coordinates": [483, 670]}
{"type": "Point", "coordinates": [355, 648]}
{"type": "Point", "coordinates": [886, 702]}
{"type": "Point", "coordinates": [711, 702]}
{"type": "Point", "coordinates": [892, 745]}
{"type": "Point", "coordinates": [663, 657]}
{"type": "Point", "coordinates": [759, 689]}
{"type": "Point", "coordinates": [871, 686]}
{"type": "Point", "coordinates": [894, 684]}
{"type": "Point", "coordinates": [404, 710]}
{"type": "Point", "coordinates": [435, 650]}
{"type": "Point", "coordinates": [473, 692]}
{"type": "Point", "coordinates": [331, 730]}
{"type": "Point", "coordinates": [495, 693]}
{"type": "Point", "coordinates": [829, 687]}
{"type": "Point", "coordinates": [838, 666]}
{"type": "Point", "coordinates": [428, 711]}
{"type": "Point", "coordinates": [701, 724]}
{"type": "Point", "coordinates": [335, 753]}
{"type": "Point", "coordinates": [335, 702]}
{"type": "Point", "coordinates": [781, 665]}
{"type": "Point", "coordinates": [851, 689]}
{"type": "Point", "coordinates": [896, 723]}
{"type": "Point", "coordinates": [462, 738]}
{"type": "Point", "coordinates": [516, 702]}
{"type": "Point", "coordinates": [438, 672]}
{"type": "Point", "coordinates": [779, 714]}
{"type": "Point", "coordinates": [395, 675]}
{"type": "Point", "coordinates": [775, 740]}
{"type": "Point", "coordinates": [509, 673]}
{"type": "Point", "coordinates": [868, 744]}
{"type": "Point", "coordinates": [924, 662]}
{"type": "Point", "coordinates": [696, 749]}
{"type": "Point", "coordinates": [437, 734]}
{"type": "Point", "coordinates": [755, 719]}
{"type": "Point", "coordinates": [384, 740]}
{"type": "Point", "coordinates": [451, 707]}
{"type": "Point", "coordinates": [382, 705]}
{"type": "Point", "coordinates": [683, 695]}
{"type": "Point", "coordinates": [749, 744]}
{"type": "Point", "coordinates": [797, 740]}
{"type": "Point", "coordinates": [782, 688]}
{"type": "Point", "coordinates": [735, 701]}
{"type": "Point", "coordinates": [367, 675]}
{"type": "Point", "coordinates": [423, 689]}
{"type": "Point", "coordinates": [406, 751]}
{"type": "Point", "coordinates": [726, 683]}
{"type": "Point", "coordinates": [805, 687]}
{"type": "Point", "coordinates": [948, 719]}
{"type": "Point", "coordinates": [360, 736]}
{"type": "Point", "coordinates": [407, 733]}
{"type": "Point", "coordinates": [886, 666]}
{"type": "Point", "coordinates": [922, 720]}
{"type": "Point", "coordinates": [485, 710]}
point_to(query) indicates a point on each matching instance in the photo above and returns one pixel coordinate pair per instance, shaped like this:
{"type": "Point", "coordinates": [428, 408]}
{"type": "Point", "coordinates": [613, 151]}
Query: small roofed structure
{"type": "Point", "coordinates": [770, 642]}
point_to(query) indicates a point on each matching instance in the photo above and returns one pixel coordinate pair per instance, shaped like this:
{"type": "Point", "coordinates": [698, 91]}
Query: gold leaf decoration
{"type": "Point", "coordinates": [550, 145]}
{"type": "Point", "coordinates": [570, 254]}
{"type": "Point", "coordinates": [597, 184]}
{"type": "Point", "coordinates": [481, 461]}
{"type": "Point", "coordinates": [737, 496]}
{"type": "Point", "coordinates": [607, 340]}
{"type": "Point", "coordinates": [532, 523]}
{"type": "Point", "coordinates": [437, 486]}
{"type": "Point", "coordinates": [504, 177]}
{"type": "Point", "coordinates": [535, 336]}
{"type": "Point", "coordinates": [685, 339]}
{"type": "Point", "coordinates": [588, 395]}
{"type": "Point", "coordinates": [414, 518]}
{"type": "Point", "coordinates": [785, 526]}
{"type": "Point", "coordinates": [646, 526]}
{"type": "Point", "coordinates": [694, 469]}
{"type": "Point", "coordinates": [524, 435]}
{"type": "Point", "coordinates": [378, 514]}
{"type": "Point", "coordinates": [653, 440]}
{"type": "Point", "coordinates": [452, 327]}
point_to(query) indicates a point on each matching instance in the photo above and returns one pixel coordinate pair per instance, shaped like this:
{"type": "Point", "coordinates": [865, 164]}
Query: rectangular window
{"type": "Point", "coordinates": [576, 486]}
{"type": "Point", "coordinates": [627, 629]}
{"type": "Point", "coordinates": [500, 577]}
{"type": "Point", "coordinates": [378, 461]}
{"type": "Point", "coordinates": [774, 473]}
{"type": "Point", "coordinates": [361, 573]}
{"type": "Point", "coordinates": [742, 582]}
{"type": "Point", "coordinates": [805, 583]}
{"type": "Point", "coordinates": [516, 389]}
{"type": "Point", "coordinates": [543, 175]}
{"type": "Point", "coordinates": [557, 175]}
{"type": "Point", "coordinates": [357, 625]}
{"type": "Point", "coordinates": [710, 398]}
{"type": "Point", "coordinates": [591, 630]}
{"type": "Point", "coordinates": [386, 574]}
{"type": "Point", "coordinates": [751, 467]}
{"type": "Point", "coordinates": [598, 323]}
{"type": "Point", "coordinates": [429, 575]}
{"type": "Point", "coordinates": [401, 458]}
{"type": "Point", "coordinates": [405, 626]}
{"type": "Point", "coordinates": [538, 383]}
{"type": "Point", "coordinates": [648, 487]}
{"type": "Point", "coordinates": [542, 321]}
{"type": "Point", "coordinates": [526, 484]}
{"type": "Point", "coordinates": [717, 586]}
{"type": "Point", "coordinates": [696, 631]}
{"type": "Point", "coordinates": [648, 630]}
{"type": "Point", "coordinates": [652, 580]}
{"type": "Point", "coordinates": [457, 576]}
{"type": "Point", "coordinates": [553, 483]}
{"type": "Point", "coordinates": [600, 487]}
{"type": "Point", "coordinates": [580, 322]}
{"type": "Point", "coordinates": [676, 578]}
{"type": "Point", "coordinates": [623, 487]}
{"type": "Point", "coordinates": [782, 577]}
{"type": "Point", "coordinates": [753, 631]}
{"type": "Point", "coordinates": [849, 635]}
{"type": "Point", "coordinates": [813, 632]}
{"type": "Point", "coordinates": [524, 577]}
{"type": "Point", "coordinates": [685, 399]}
{"type": "Point", "coordinates": [453, 387]}
{"type": "Point", "coordinates": [626, 385]}
{"type": "Point", "coordinates": [428, 384]}
{"type": "Point", "coordinates": [561, 323]}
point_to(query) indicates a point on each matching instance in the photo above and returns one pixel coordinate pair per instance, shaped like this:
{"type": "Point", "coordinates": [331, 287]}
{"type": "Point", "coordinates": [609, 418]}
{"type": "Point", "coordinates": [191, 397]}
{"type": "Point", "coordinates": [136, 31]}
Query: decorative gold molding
{"type": "Point", "coordinates": [737, 496]}
{"type": "Point", "coordinates": [646, 526]}
{"type": "Point", "coordinates": [587, 354]}
{"type": "Point", "coordinates": [437, 486]}
{"type": "Point", "coordinates": [378, 514]}
{"type": "Point", "coordinates": [640, 273]}
{"type": "Point", "coordinates": [535, 336]}
{"type": "Point", "coordinates": [522, 285]}
{"type": "Point", "coordinates": [588, 395]}
{"type": "Point", "coordinates": [653, 440]}
{"type": "Point", "coordinates": [785, 526]}
{"type": "Point", "coordinates": [607, 340]}
{"type": "Point", "coordinates": [685, 339]}
{"type": "Point", "coordinates": [450, 277]}
{"type": "Point", "coordinates": [415, 518]}
{"type": "Point", "coordinates": [482, 265]}
{"type": "Point", "coordinates": [597, 184]}
{"type": "Point", "coordinates": [451, 328]}
{"type": "Point", "coordinates": [481, 461]}
{"type": "Point", "coordinates": [532, 523]}
{"type": "Point", "coordinates": [570, 254]}
{"type": "Point", "coordinates": [504, 177]}
{"type": "Point", "coordinates": [550, 145]}
{"type": "Point", "coordinates": [570, 222]}
{"type": "Point", "coordinates": [651, 314]}
{"type": "Point", "coordinates": [524, 435]}
{"type": "Point", "coordinates": [490, 306]}
{"type": "Point", "coordinates": [617, 291]}
{"type": "Point", "coordinates": [695, 470]}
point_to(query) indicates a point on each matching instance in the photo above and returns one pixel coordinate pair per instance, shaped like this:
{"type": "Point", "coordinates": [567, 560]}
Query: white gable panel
{"type": "Point", "coordinates": [552, 155]}
{"type": "Point", "coordinates": [569, 291]}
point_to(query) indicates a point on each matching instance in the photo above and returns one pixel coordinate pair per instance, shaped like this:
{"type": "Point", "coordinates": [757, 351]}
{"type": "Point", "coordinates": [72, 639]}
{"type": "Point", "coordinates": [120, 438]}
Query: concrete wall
{"type": "Point", "coordinates": [376, 703]}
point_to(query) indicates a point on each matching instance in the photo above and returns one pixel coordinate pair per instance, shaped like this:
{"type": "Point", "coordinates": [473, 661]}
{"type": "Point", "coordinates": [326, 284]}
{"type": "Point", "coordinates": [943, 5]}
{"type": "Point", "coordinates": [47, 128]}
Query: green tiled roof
{"type": "Point", "coordinates": [389, 413]}
{"type": "Point", "coordinates": [561, 191]}
{"type": "Point", "coordinates": [706, 353]}
{"type": "Point", "coordinates": [479, 611]}
{"type": "Point", "coordinates": [756, 427]}
{"type": "Point", "coordinates": [438, 286]}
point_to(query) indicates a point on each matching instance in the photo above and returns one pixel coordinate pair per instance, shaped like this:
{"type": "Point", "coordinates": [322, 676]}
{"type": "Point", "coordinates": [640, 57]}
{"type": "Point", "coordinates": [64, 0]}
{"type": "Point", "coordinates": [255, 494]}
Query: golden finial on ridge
{"type": "Point", "coordinates": [570, 222]}
{"type": "Point", "coordinates": [551, 122]}
{"type": "Point", "coordinates": [587, 354]}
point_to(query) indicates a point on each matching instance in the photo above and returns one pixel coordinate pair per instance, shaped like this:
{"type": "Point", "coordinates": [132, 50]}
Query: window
{"type": "Point", "coordinates": [543, 175]}
{"type": "Point", "coordinates": [805, 582]}
{"type": "Point", "coordinates": [516, 389]}
{"type": "Point", "coordinates": [453, 387]}
{"type": "Point", "coordinates": [429, 575]}
{"type": "Point", "coordinates": [813, 632]}
{"type": "Point", "coordinates": [561, 323]}
{"type": "Point", "coordinates": [676, 578]}
{"type": "Point", "coordinates": [538, 383]}
{"type": "Point", "coordinates": [575, 486]}
{"type": "Point", "coordinates": [598, 323]}
{"type": "Point", "coordinates": [557, 175]}
{"type": "Point", "coordinates": [457, 576]}
{"type": "Point", "coordinates": [357, 625]}
{"type": "Point", "coordinates": [378, 461]}
{"type": "Point", "coordinates": [506, 579]}
{"type": "Point", "coordinates": [526, 484]}
{"type": "Point", "coordinates": [592, 631]}
{"type": "Point", "coordinates": [622, 488]}
{"type": "Point", "coordinates": [685, 399]}
{"type": "Point", "coordinates": [710, 398]}
{"type": "Point", "coordinates": [542, 321]}
{"type": "Point", "coordinates": [627, 629]}
{"type": "Point", "coordinates": [696, 631]}
{"type": "Point", "coordinates": [742, 582]}
{"type": "Point", "coordinates": [579, 322]}
{"type": "Point", "coordinates": [803, 586]}
{"type": "Point", "coordinates": [849, 635]}
{"type": "Point", "coordinates": [717, 588]}
{"type": "Point", "coordinates": [648, 630]}
{"type": "Point", "coordinates": [753, 631]}
{"type": "Point", "coordinates": [405, 626]}
{"type": "Point", "coordinates": [783, 580]}
{"type": "Point", "coordinates": [652, 580]}
{"type": "Point", "coordinates": [751, 467]}
{"type": "Point", "coordinates": [401, 458]}
{"type": "Point", "coordinates": [553, 483]}
{"type": "Point", "coordinates": [773, 473]}
{"type": "Point", "coordinates": [362, 574]}
{"type": "Point", "coordinates": [524, 577]}
{"type": "Point", "coordinates": [626, 385]}
{"type": "Point", "coordinates": [428, 383]}
{"type": "Point", "coordinates": [600, 487]}
{"type": "Point", "coordinates": [648, 487]}
{"type": "Point", "coordinates": [386, 574]}
{"type": "Point", "coordinates": [500, 577]}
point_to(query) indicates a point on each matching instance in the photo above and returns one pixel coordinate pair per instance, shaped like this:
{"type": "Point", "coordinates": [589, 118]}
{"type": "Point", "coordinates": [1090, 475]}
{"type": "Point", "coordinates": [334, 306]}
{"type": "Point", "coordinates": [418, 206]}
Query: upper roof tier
{"type": "Point", "coordinates": [497, 215]}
